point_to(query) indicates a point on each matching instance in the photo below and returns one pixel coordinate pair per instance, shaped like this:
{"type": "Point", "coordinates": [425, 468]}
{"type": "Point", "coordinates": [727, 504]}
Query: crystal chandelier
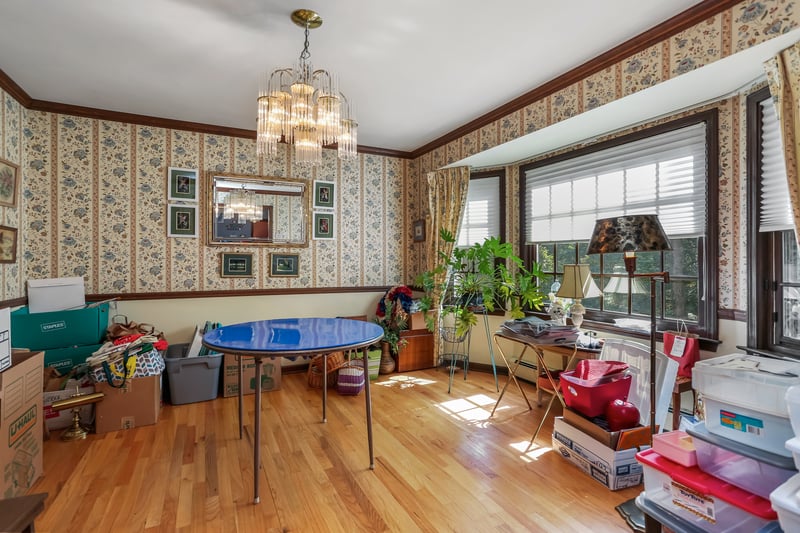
{"type": "Point", "coordinates": [304, 107]}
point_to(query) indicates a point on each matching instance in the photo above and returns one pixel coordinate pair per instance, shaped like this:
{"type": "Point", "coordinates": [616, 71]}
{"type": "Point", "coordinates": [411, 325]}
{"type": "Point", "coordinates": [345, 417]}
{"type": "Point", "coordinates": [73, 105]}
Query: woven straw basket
{"type": "Point", "coordinates": [335, 361]}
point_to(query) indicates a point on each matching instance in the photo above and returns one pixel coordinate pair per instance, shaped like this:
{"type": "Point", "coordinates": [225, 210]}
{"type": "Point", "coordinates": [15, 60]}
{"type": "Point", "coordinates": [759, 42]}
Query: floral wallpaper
{"type": "Point", "coordinates": [740, 27]}
{"type": "Point", "coordinates": [94, 202]}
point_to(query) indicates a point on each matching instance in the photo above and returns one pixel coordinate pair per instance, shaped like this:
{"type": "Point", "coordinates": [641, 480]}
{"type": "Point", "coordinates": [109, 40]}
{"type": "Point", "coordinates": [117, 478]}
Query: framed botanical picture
{"type": "Point", "coordinates": [8, 245]}
{"type": "Point", "coordinates": [182, 184]}
{"type": "Point", "coordinates": [419, 230]}
{"type": "Point", "coordinates": [323, 225]}
{"type": "Point", "coordinates": [181, 220]}
{"type": "Point", "coordinates": [9, 177]}
{"type": "Point", "coordinates": [284, 265]}
{"type": "Point", "coordinates": [234, 265]}
{"type": "Point", "coordinates": [324, 197]}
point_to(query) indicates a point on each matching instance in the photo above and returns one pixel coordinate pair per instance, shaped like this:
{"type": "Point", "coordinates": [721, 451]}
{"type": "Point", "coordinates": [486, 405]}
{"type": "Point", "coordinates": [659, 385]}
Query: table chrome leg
{"type": "Point", "coordinates": [369, 408]}
{"type": "Point", "coordinates": [241, 394]}
{"type": "Point", "coordinates": [257, 443]}
{"type": "Point", "coordinates": [324, 387]}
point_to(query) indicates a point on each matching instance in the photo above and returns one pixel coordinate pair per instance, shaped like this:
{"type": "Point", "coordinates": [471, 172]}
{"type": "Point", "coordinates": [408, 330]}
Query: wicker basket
{"type": "Point", "coordinates": [351, 378]}
{"type": "Point", "coordinates": [335, 361]}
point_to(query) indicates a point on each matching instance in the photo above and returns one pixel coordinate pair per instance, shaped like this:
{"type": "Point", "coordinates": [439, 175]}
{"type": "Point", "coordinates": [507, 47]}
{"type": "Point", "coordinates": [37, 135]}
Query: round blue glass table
{"type": "Point", "coordinates": [294, 337]}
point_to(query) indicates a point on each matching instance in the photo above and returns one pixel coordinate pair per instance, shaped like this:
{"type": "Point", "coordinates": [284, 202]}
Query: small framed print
{"type": "Point", "coordinates": [419, 230]}
{"type": "Point", "coordinates": [181, 220]}
{"type": "Point", "coordinates": [9, 177]}
{"type": "Point", "coordinates": [324, 197]}
{"type": "Point", "coordinates": [234, 265]}
{"type": "Point", "coordinates": [286, 265]}
{"type": "Point", "coordinates": [182, 184]}
{"type": "Point", "coordinates": [323, 225]}
{"type": "Point", "coordinates": [8, 245]}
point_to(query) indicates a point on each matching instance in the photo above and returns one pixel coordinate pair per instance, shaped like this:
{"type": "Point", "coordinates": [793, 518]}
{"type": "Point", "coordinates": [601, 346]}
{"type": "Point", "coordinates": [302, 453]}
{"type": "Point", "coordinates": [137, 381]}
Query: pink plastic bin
{"type": "Point", "coordinates": [676, 446]}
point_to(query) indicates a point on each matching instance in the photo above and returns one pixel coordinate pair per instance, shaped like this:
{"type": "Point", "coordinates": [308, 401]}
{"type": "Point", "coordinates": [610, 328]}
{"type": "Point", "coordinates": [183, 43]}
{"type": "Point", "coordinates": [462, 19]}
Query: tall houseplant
{"type": "Point", "coordinates": [485, 275]}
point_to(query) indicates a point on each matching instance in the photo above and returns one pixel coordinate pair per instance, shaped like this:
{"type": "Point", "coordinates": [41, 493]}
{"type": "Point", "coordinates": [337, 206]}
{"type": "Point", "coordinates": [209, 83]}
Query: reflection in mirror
{"type": "Point", "coordinates": [256, 210]}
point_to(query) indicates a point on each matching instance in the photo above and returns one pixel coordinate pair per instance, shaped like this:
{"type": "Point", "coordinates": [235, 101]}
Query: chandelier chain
{"type": "Point", "coordinates": [305, 54]}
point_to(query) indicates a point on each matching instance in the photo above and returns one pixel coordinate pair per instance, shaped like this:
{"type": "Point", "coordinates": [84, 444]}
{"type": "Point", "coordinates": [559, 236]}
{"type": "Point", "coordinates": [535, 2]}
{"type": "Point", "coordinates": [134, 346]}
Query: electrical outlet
{"type": "Point", "coordinates": [128, 422]}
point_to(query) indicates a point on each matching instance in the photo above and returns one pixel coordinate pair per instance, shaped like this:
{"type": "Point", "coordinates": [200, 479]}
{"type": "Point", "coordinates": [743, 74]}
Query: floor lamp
{"type": "Point", "coordinates": [627, 235]}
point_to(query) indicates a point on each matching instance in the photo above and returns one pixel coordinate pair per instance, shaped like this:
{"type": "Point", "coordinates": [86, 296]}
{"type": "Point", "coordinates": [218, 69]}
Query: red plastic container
{"type": "Point", "coordinates": [591, 400]}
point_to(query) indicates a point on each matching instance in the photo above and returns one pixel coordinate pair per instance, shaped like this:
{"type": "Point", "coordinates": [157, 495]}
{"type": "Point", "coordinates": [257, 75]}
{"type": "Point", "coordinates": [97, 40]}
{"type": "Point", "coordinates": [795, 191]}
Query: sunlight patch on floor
{"type": "Point", "coordinates": [530, 452]}
{"type": "Point", "coordinates": [404, 381]}
{"type": "Point", "coordinates": [470, 409]}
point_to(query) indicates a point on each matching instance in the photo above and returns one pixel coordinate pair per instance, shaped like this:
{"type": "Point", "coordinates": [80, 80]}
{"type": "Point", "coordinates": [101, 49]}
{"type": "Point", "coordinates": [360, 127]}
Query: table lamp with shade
{"type": "Point", "coordinates": [577, 284]}
{"type": "Point", "coordinates": [627, 235]}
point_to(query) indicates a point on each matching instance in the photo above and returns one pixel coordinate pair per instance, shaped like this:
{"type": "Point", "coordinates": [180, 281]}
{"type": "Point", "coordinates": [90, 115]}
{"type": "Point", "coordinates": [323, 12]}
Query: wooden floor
{"type": "Point", "coordinates": [441, 464]}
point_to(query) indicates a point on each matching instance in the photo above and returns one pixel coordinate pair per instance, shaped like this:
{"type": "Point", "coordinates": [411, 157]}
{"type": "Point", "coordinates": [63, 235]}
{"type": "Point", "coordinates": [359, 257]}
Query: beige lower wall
{"type": "Point", "coordinates": [177, 318]}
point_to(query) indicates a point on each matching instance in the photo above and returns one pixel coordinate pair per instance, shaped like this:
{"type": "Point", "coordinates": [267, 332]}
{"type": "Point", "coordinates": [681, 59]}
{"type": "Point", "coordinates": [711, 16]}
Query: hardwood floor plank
{"type": "Point", "coordinates": [441, 464]}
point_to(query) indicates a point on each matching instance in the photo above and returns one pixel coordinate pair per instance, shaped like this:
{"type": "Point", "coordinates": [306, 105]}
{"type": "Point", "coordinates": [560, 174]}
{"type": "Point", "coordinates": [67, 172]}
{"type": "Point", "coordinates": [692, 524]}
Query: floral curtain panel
{"type": "Point", "coordinates": [447, 196]}
{"type": "Point", "coordinates": [783, 76]}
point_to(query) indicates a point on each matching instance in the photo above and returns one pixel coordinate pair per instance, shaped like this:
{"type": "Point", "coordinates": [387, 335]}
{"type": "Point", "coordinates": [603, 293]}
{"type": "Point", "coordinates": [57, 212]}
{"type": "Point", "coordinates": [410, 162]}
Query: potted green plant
{"type": "Point", "coordinates": [485, 275]}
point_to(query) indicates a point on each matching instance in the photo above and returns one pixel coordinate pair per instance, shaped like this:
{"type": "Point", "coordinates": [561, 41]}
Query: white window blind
{"type": "Point", "coordinates": [775, 210]}
{"type": "Point", "coordinates": [482, 213]}
{"type": "Point", "coordinates": [664, 174]}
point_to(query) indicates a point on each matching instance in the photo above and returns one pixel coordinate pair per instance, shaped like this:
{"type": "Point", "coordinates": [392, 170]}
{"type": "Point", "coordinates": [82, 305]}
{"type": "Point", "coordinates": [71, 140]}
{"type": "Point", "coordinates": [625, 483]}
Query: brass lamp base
{"type": "Point", "coordinates": [76, 431]}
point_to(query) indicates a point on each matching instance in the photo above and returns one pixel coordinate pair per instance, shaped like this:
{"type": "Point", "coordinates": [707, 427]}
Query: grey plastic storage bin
{"type": "Point", "coordinates": [192, 379]}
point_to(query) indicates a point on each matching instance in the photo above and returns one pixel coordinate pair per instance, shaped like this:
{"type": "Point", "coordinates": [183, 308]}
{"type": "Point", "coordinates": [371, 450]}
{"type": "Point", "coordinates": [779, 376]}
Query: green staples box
{"type": "Point", "coordinates": [64, 359]}
{"type": "Point", "coordinates": [58, 329]}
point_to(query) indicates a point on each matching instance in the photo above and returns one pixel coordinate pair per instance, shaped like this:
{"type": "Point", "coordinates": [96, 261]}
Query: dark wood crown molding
{"type": "Point", "coordinates": [14, 90]}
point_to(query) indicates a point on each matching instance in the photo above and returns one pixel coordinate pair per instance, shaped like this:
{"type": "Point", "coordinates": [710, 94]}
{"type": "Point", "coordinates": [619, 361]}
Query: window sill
{"type": "Point", "coordinates": [706, 344]}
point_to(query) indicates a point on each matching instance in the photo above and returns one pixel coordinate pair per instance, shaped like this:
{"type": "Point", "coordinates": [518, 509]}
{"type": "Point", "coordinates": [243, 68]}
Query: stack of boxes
{"type": "Point", "coordinates": [609, 457]}
{"type": "Point", "coordinates": [725, 469]}
{"type": "Point", "coordinates": [58, 322]}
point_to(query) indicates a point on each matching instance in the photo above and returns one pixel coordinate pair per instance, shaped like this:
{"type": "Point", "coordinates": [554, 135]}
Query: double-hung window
{"type": "Point", "coordinates": [774, 264]}
{"type": "Point", "coordinates": [669, 170]}
{"type": "Point", "coordinates": [484, 214]}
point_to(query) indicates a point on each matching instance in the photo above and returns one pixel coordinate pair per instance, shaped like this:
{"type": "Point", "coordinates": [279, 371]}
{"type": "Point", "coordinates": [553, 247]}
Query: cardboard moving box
{"type": "Point", "coordinates": [616, 440]}
{"type": "Point", "coordinates": [136, 404]}
{"type": "Point", "coordinates": [614, 469]}
{"type": "Point", "coordinates": [270, 375]}
{"type": "Point", "coordinates": [21, 423]}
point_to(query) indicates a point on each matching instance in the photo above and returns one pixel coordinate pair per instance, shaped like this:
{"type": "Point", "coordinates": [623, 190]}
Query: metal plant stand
{"type": "Point", "coordinates": [452, 349]}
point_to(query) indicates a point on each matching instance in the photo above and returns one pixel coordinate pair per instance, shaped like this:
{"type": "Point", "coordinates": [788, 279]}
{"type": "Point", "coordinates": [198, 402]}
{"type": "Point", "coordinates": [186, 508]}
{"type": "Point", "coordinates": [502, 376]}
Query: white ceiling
{"type": "Point", "coordinates": [415, 69]}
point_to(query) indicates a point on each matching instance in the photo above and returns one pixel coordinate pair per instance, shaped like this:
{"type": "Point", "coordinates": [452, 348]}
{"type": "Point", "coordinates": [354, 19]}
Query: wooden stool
{"type": "Point", "coordinates": [18, 514]}
{"type": "Point", "coordinates": [682, 384]}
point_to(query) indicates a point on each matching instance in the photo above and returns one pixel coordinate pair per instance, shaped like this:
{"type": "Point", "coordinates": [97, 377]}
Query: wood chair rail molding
{"type": "Point", "coordinates": [174, 295]}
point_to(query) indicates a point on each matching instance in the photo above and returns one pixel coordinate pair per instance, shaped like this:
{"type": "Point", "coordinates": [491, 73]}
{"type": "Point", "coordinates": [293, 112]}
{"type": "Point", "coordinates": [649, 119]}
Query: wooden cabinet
{"type": "Point", "coordinates": [417, 352]}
